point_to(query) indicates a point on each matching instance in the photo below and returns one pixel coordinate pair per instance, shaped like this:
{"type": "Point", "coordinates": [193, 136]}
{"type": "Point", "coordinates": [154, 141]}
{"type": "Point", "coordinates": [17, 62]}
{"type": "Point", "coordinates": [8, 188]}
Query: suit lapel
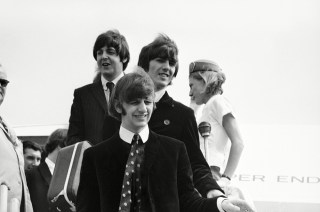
{"type": "Point", "coordinates": [98, 93]}
{"type": "Point", "coordinates": [151, 150]}
{"type": "Point", "coordinates": [45, 172]}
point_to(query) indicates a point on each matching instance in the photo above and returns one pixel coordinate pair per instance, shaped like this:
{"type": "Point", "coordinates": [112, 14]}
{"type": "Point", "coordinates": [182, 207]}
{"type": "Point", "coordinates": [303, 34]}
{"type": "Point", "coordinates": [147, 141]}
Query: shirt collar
{"type": "Point", "coordinates": [50, 164]}
{"type": "Point", "coordinates": [104, 81]}
{"type": "Point", "coordinates": [159, 95]}
{"type": "Point", "coordinates": [127, 135]}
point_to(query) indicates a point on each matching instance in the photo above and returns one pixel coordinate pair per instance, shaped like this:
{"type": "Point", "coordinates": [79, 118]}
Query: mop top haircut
{"type": "Point", "coordinates": [57, 138]}
{"type": "Point", "coordinates": [162, 47]}
{"type": "Point", "coordinates": [31, 145]}
{"type": "Point", "coordinates": [131, 86]}
{"type": "Point", "coordinates": [210, 73]}
{"type": "Point", "coordinates": [113, 38]}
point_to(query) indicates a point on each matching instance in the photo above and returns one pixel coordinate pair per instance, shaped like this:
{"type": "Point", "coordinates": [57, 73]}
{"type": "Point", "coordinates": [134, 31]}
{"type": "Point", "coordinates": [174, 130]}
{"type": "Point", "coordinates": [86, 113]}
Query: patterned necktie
{"type": "Point", "coordinates": [110, 86]}
{"type": "Point", "coordinates": [131, 186]}
{"type": "Point", "coordinates": [10, 134]}
{"type": "Point", "coordinates": [4, 125]}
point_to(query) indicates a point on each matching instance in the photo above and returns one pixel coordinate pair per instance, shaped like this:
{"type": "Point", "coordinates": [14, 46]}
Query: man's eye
{"type": "Point", "coordinates": [133, 102]}
{"type": "Point", "coordinates": [147, 102]}
{"type": "Point", "coordinates": [161, 60]}
{"type": "Point", "coordinates": [111, 51]}
{"type": "Point", "coordinates": [172, 63]}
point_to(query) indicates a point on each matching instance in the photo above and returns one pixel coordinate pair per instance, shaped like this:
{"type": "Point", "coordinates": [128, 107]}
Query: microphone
{"type": "Point", "coordinates": [204, 130]}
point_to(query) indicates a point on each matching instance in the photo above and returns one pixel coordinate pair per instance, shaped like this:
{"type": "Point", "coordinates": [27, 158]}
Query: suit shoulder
{"type": "Point", "coordinates": [183, 108]}
{"type": "Point", "coordinates": [166, 139]}
{"type": "Point", "coordinates": [86, 87]}
{"type": "Point", "coordinates": [30, 174]}
{"type": "Point", "coordinates": [102, 146]}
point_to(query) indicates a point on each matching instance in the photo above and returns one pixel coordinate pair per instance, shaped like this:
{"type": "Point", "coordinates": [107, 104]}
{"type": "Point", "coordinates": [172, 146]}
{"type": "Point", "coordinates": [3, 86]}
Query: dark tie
{"type": "Point", "coordinates": [110, 86]}
{"type": "Point", "coordinates": [131, 186]}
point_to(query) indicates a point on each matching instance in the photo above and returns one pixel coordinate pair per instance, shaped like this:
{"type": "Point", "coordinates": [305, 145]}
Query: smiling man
{"type": "Point", "coordinates": [90, 103]}
{"type": "Point", "coordinates": [137, 169]}
{"type": "Point", "coordinates": [171, 118]}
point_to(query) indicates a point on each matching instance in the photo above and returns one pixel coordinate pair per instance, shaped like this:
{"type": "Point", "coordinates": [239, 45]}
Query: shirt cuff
{"type": "Point", "coordinates": [219, 203]}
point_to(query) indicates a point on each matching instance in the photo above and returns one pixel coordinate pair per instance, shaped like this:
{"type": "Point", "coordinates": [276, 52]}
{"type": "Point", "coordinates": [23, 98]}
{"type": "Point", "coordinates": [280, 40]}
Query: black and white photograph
{"type": "Point", "coordinates": [165, 105]}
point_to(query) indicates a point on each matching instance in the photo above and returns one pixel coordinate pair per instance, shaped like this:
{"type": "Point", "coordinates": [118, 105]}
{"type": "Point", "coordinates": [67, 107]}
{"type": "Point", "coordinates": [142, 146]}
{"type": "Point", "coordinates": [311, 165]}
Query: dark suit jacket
{"type": "Point", "coordinates": [88, 112]}
{"type": "Point", "coordinates": [38, 180]}
{"type": "Point", "coordinates": [173, 119]}
{"type": "Point", "coordinates": [166, 167]}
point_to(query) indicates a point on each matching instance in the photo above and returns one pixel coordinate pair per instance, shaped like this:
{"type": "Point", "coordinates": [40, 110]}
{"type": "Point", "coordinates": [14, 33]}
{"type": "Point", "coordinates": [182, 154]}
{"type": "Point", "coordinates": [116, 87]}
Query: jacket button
{"type": "Point", "coordinates": [166, 122]}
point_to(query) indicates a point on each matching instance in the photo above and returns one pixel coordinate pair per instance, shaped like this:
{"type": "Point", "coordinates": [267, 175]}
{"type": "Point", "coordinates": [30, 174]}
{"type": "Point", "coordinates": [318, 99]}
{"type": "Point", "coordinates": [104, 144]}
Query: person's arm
{"type": "Point", "coordinates": [88, 191]}
{"type": "Point", "coordinates": [202, 177]}
{"type": "Point", "coordinates": [231, 127]}
{"type": "Point", "coordinates": [76, 124]}
{"type": "Point", "coordinates": [189, 198]}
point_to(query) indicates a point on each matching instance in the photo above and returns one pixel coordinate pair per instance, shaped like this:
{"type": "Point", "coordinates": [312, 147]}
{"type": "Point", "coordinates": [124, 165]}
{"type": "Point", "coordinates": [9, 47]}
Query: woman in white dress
{"type": "Point", "coordinates": [205, 81]}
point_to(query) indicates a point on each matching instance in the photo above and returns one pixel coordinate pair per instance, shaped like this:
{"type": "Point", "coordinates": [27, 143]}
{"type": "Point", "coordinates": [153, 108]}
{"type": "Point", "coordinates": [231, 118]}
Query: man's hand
{"type": "Point", "coordinates": [239, 203]}
{"type": "Point", "coordinates": [228, 206]}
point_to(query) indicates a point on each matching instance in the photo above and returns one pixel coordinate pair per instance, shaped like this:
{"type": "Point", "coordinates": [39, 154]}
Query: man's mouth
{"type": "Point", "coordinates": [141, 115]}
{"type": "Point", "coordinates": [105, 64]}
{"type": "Point", "coordinates": [164, 75]}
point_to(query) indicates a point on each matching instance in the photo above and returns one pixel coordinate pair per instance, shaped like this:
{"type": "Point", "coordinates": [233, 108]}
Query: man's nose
{"type": "Point", "coordinates": [190, 93]}
{"type": "Point", "coordinates": [35, 161]}
{"type": "Point", "coordinates": [105, 54]}
{"type": "Point", "coordinates": [142, 107]}
{"type": "Point", "coordinates": [166, 65]}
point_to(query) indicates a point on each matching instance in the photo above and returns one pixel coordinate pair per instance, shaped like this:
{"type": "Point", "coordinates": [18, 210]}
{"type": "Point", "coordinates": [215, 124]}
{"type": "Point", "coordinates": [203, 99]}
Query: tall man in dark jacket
{"type": "Point", "coordinates": [89, 107]}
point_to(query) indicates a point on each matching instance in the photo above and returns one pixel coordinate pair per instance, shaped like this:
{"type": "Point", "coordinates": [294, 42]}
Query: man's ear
{"type": "Point", "coordinates": [124, 60]}
{"type": "Point", "coordinates": [118, 107]}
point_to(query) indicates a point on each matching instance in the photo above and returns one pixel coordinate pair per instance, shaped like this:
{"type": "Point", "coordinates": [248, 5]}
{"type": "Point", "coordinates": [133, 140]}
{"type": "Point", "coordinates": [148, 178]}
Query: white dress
{"type": "Point", "coordinates": [218, 140]}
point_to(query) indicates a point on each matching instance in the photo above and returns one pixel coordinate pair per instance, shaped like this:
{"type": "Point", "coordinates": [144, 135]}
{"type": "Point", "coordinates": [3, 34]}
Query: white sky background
{"type": "Point", "coordinates": [269, 51]}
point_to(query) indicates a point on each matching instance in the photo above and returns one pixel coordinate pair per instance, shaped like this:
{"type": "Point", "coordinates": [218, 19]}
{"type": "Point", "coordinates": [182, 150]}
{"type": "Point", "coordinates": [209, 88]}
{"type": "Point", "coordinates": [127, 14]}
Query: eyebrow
{"type": "Point", "coordinates": [30, 156]}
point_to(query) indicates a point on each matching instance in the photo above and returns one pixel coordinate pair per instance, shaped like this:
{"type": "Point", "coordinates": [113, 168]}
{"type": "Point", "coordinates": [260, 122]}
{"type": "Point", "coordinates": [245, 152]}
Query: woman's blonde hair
{"type": "Point", "coordinates": [210, 73]}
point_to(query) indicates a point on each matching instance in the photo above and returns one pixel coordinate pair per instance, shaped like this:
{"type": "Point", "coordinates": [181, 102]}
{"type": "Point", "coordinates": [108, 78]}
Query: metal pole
{"type": "Point", "coordinates": [3, 197]}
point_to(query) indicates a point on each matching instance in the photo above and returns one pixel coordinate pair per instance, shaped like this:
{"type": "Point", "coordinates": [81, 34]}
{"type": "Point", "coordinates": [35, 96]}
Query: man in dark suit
{"type": "Point", "coordinates": [38, 179]}
{"type": "Point", "coordinates": [171, 118]}
{"type": "Point", "coordinates": [111, 51]}
{"type": "Point", "coordinates": [151, 174]}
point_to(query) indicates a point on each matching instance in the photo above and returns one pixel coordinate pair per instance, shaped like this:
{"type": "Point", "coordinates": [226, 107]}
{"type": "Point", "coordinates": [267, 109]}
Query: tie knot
{"type": "Point", "coordinates": [110, 85]}
{"type": "Point", "coordinates": [135, 139]}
